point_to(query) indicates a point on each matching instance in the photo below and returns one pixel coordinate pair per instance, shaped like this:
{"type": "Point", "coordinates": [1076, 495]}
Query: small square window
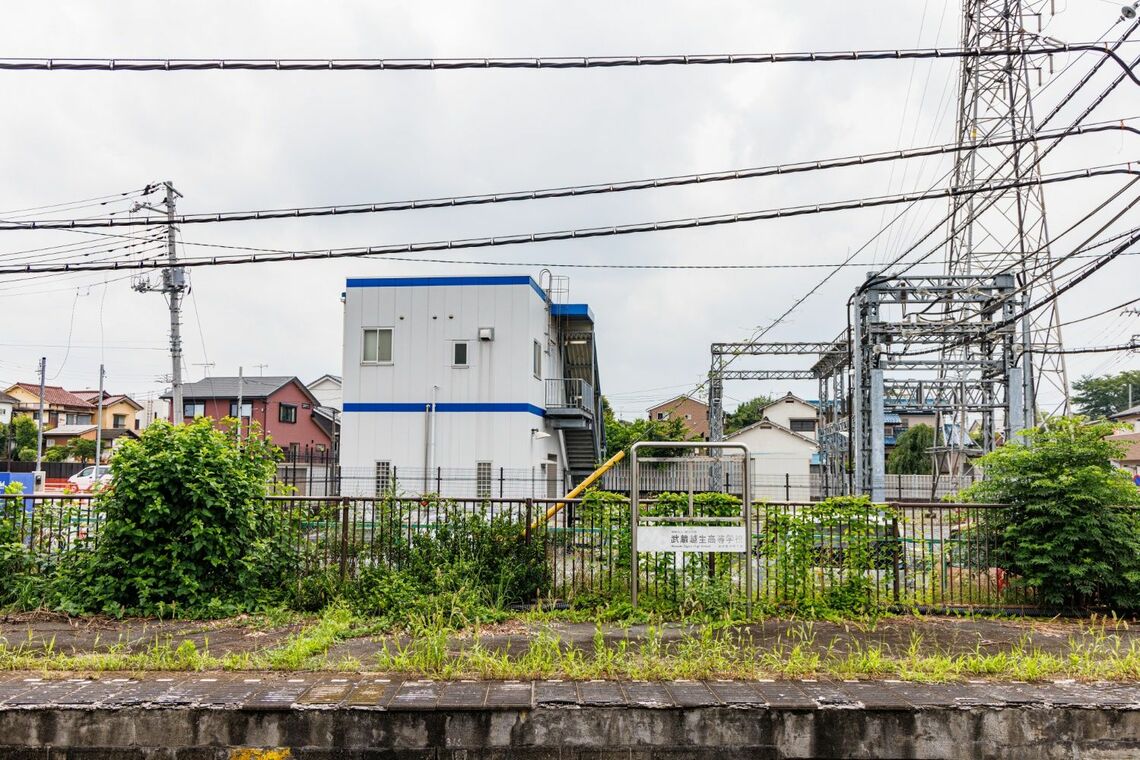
{"type": "Point", "coordinates": [459, 353]}
{"type": "Point", "coordinates": [246, 409]}
{"type": "Point", "coordinates": [287, 413]}
{"type": "Point", "coordinates": [194, 409]}
{"type": "Point", "coordinates": [377, 348]}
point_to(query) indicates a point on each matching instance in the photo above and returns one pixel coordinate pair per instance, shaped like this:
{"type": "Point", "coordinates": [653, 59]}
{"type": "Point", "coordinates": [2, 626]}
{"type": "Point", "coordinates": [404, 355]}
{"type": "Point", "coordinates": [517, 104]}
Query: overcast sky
{"type": "Point", "coordinates": [245, 140]}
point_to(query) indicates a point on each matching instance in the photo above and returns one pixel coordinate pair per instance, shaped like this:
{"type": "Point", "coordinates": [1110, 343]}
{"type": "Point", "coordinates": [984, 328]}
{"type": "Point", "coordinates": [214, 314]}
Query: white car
{"type": "Point", "coordinates": [85, 479]}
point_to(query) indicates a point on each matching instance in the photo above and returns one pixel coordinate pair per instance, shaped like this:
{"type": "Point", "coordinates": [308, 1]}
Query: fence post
{"type": "Point", "coordinates": [500, 482]}
{"type": "Point", "coordinates": [438, 480]}
{"type": "Point", "coordinates": [343, 540]}
{"type": "Point", "coordinates": [787, 486]}
{"type": "Point", "coordinates": [896, 556]}
{"type": "Point", "coordinates": [529, 509]}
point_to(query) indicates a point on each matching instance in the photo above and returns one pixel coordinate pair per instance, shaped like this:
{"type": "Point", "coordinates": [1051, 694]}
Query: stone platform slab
{"type": "Point", "coordinates": [327, 715]}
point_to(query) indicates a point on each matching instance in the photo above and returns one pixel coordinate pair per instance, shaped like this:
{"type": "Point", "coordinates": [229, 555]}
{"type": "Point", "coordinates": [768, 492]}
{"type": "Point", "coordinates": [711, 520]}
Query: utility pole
{"type": "Point", "coordinates": [40, 431]}
{"type": "Point", "coordinates": [99, 425]}
{"type": "Point", "coordinates": [238, 415]}
{"type": "Point", "coordinates": [173, 287]}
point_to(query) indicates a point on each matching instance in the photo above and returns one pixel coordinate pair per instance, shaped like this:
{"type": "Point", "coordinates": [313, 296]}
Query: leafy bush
{"type": "Point", "coordinates": [187, 527]}
{"type": "Point", "coordinates": [822, 555]}
{"type": "Point", "coordinates": [465, 565]}
{"type": "Point", "coordinates": [1071, 533]}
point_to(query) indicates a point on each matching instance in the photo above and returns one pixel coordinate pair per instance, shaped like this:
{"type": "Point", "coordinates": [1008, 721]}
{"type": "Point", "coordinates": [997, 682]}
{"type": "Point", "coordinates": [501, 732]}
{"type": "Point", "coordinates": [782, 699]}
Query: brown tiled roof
{"type": "Point", "coordinates": [1132, 441]}
{"type": "Point", "coordinates": [54, 394]}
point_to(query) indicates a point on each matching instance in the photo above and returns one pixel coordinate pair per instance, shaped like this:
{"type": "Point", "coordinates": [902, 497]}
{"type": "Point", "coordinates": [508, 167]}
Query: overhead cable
{"type": "Point", "coordinates": [562, 62]}
{"type": "Point", "coordinates": [559, 192]}
{"type": "Point", "coordinates": [589, 232]}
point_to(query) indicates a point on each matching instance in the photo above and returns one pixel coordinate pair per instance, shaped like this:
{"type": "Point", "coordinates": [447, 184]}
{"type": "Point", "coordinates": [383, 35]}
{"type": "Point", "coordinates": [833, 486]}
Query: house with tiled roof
{"type": "Point", "coordinates": [61, 406]}
{"type": "Point", "coordinates": [119, 411]}
{"type": "Point", "coordinates": [283, 406]}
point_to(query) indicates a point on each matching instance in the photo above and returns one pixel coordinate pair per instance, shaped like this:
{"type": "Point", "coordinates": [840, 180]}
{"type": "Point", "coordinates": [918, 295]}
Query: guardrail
{"type": "Point", "coordinates": [569, 393]}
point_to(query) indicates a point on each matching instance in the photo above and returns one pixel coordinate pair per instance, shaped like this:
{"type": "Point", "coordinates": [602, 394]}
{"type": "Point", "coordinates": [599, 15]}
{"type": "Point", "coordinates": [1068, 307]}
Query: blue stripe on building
{"type": "Point", "coordinates": [425, 282]}
{"type": "Point", "coordinates": [444, 407]}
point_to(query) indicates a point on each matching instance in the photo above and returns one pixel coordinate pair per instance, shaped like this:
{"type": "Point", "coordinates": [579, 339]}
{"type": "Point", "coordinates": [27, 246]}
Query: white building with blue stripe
{"type": "Point", "coordinates": [467, 386]}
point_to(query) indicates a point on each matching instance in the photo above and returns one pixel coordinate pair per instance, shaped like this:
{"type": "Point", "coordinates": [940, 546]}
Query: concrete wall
{"type": "Point", "coordinates": [551, 733]}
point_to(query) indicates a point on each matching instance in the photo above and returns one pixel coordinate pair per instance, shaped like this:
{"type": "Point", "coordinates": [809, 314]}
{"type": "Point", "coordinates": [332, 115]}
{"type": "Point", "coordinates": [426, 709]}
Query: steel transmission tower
{"type": "Point", "coordinates": [1006, 233]}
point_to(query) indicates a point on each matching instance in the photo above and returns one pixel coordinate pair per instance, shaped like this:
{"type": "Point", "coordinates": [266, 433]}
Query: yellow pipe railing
{"type": "Point", "coordinates": [579, 488]}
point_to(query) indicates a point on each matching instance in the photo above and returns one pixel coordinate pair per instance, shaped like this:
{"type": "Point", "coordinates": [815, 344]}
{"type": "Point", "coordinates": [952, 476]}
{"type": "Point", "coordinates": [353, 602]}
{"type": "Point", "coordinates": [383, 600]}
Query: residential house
{"type": "Point", "coordinates": [694, 414]}
{"type": "Point", "coordinates": [62, 435]}
{"type": "Point", "coordinates": [1130, 416]}
{"type": "Point", "coordinates": [458, 383]}
{"type": "Point", "coordinates": [119, 411]}
{"type": "Point", "coordinates": [152, 409]}
{"type": "Point", "coordinates": [328, 390]}
{"type": "Point", "coordinates": [61, 407]}
{"type": "Point", "coordinates": [282, 406]}
{"type": "Point", "coordinates": [7, 406]}
{"type": "Point", "coordinates": [781, 458]}
{"type": "Point", "coordinates": [792, 412]}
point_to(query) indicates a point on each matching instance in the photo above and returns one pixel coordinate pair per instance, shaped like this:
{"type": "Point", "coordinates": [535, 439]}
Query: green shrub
{"type": "Point", "coordinates": [1071, 533]}
{"type": "Point", "coordinates": [822, 556]}
{"type": "Point", "coordinates": [187, 528]}
{"type": "Point", "coordinates": [465, 566]}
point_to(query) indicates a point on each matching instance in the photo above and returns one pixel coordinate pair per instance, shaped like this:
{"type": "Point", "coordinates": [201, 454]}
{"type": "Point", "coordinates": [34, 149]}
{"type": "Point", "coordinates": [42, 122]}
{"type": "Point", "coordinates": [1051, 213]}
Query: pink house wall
{"type": "Point", "coordinates": [304, 432]}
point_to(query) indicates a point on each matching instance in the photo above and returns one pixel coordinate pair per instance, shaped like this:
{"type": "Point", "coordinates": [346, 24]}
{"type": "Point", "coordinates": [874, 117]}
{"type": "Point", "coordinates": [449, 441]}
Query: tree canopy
{"type": "Point", "coordinates": [910, 455]}
{"type": "Point", "coordinates": [1068, 534]}
{"type": "Point", "coordinates": [621, 434]}
{"type": "Point", "coordinates": [748, 413]}
{"type": "Point", "coordinates": [1100, 397]}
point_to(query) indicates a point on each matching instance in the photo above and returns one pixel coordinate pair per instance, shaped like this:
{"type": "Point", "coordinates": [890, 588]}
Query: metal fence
{"type": "Point", "coordinates": [935, 555]}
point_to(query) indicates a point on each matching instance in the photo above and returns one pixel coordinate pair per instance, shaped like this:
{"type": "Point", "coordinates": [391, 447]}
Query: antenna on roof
{"type": "Point", "coordinates": [261, 368]}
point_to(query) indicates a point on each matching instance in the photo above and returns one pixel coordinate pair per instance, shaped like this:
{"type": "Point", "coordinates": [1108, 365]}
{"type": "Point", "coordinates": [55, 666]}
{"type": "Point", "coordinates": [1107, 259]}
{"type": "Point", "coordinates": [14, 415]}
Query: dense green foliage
{"type": "Point", "coordinates": [910, 456]}
{"type": "Point", "coordinates": [821, 557]}
{"type": "Point", "coordinates": [187, 527]}
{"type": "Point", "coordinates": [620, 434]}
{"type": "Point", "coordinates": [1100, 397]}
{"type": "Point", "coordinates": [1071, 533]}
{"type": "Point", "coordinates": [20, 436]}
{"type": "Point", "coordinates": [748, 413]}
{"type": "Point", "coordinates": [469, 565]}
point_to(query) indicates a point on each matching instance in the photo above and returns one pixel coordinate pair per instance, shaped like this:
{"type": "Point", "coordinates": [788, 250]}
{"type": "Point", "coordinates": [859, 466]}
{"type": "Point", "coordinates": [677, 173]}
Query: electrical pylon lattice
{"type": "Point", "coordinates": [1007, 232]}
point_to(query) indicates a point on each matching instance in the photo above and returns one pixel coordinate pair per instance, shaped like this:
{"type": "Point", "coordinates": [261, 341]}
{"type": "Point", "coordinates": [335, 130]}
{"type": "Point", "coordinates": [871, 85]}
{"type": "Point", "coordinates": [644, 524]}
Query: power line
{"type": "Point", "coordinates": [1133, 346]}
{"type": "Point", "coordinates": [581, 233]}
{"type": "Point", "coordinates": [565, 62]}
{"type": "Point", "coordinates": [568, 191]}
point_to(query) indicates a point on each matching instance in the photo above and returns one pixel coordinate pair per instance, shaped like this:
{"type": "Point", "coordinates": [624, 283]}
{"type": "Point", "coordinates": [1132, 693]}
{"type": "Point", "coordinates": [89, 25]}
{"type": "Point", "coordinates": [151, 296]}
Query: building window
{"type": "Point", "coordinates": [538, 360]}
{"type": "Point", "coordinates": [287, 413]}
{"type": "Point", "coordinates": [246, 409]}
{"type": "Point", "coordinates": [194, 409]}
{"type": "Point", "coordinates": [661, 415]}
{"type": "Point", "coordinates": [79, 419]}
{"type": "Point", "coordinates": [118, 420]}
{"type": "Point", "coordinates": [459, 353]}
{"type": "Point", "coordinates": [383, 478]}
{"type": "Point", "coordinates": [803, 426]}
{"type": "Point", "coordinates": [377, 345]}
{"type": "Point", "coordinates": [483, 480]}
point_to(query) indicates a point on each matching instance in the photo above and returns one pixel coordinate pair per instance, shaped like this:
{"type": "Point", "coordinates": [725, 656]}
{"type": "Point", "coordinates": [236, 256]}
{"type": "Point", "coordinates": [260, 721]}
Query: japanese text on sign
{"type": "Point", "coordinates": [689, 538]}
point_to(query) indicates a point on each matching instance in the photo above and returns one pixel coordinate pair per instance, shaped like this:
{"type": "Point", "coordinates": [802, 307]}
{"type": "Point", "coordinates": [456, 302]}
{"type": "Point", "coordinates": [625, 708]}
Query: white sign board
{"type": "Point", "coordinates": [690, 538]}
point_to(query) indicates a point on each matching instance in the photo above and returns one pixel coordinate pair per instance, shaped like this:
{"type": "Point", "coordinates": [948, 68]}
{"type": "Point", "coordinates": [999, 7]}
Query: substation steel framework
{"type": "Point", "coordinates": [920, 344]}
{"type": "Point", "coordinates": [944, 344]}
{"type": "Point", "coordinates": [1007, 233]}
